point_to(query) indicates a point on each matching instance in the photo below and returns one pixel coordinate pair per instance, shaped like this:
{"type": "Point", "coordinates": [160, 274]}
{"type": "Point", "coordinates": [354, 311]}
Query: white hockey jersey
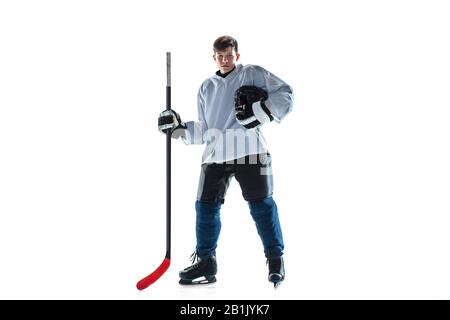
{"type": "Point", "coordinates": [225, 138]}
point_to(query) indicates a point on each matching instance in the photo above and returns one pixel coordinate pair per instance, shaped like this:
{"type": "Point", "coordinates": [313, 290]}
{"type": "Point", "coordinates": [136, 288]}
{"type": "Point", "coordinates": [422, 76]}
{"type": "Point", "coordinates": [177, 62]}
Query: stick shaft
{"type": "Point", "coordinates": [168, 161]}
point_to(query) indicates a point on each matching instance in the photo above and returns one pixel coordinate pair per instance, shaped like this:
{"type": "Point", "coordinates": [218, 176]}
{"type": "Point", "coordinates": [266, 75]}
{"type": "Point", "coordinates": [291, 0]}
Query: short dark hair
{"type": "Point", "coordinates": [224, 42]}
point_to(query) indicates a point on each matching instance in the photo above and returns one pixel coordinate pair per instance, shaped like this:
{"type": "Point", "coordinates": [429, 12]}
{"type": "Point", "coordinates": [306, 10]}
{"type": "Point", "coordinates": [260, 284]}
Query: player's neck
{"type": "Point", "coordinates": [223, 75]}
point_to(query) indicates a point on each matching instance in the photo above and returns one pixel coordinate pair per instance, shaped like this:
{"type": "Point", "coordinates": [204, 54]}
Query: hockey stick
{"type": "Point", "coordinates": [155, 275]}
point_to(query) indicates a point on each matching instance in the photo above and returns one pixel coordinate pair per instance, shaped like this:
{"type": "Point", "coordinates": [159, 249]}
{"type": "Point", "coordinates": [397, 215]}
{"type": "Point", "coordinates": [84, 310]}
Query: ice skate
{"type": "Point", "coordinates": [276, 271]}
{"type": "Point", "coordinates": [201, 272]}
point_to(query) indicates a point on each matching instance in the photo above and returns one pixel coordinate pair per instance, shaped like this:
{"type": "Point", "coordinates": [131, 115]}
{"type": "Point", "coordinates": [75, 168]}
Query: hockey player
{"type": "Point", "coordinates": [233, 104]}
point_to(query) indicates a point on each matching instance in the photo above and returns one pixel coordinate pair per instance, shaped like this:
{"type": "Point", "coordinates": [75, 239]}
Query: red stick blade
{"type": "Point", "coordinates": [155, 275]}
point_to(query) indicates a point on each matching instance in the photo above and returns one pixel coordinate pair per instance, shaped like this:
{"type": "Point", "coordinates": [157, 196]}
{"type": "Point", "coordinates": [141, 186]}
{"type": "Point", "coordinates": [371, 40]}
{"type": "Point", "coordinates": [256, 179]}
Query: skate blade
{"type": "Point", "coordinates": [200, 281]}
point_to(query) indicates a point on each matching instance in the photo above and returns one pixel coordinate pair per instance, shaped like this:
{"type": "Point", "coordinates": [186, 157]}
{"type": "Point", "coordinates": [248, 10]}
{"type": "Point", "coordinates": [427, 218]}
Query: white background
{"type": "Point", "coordinates": [361, 165]}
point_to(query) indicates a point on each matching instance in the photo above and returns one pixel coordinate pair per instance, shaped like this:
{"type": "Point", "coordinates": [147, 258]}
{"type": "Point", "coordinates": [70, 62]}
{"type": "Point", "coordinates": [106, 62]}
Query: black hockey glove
{"type": "Point", "coordinates": [170, 121]}
{"type": "Point", "coordinates": [251, 111]}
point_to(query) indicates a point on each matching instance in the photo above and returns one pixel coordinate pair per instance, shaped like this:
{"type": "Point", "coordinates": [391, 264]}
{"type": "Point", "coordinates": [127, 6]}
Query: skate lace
{"type": "Point", "coordinates": [194, 257]}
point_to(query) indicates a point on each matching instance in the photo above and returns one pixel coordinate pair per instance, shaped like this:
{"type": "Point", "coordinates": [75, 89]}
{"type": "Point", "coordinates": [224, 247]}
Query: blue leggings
{"type": "Point", "coordinates": [264, 213]}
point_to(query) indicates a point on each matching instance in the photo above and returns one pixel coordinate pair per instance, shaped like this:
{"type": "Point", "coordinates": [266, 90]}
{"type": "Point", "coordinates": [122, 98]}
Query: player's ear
{"type": "Point", "coordinates": [237, 56]}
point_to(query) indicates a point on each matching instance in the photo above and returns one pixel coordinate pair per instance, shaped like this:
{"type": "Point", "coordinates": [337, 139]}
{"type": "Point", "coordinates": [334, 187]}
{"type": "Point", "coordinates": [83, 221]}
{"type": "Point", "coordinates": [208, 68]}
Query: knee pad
{"type": "Point", "coordinates": [207, 208]}
{"type": "Point", "coordinates": [262, 206]}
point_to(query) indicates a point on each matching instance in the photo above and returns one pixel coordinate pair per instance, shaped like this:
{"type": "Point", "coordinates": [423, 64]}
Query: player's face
{"type": "Point", "coordinates": [226, 59]}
